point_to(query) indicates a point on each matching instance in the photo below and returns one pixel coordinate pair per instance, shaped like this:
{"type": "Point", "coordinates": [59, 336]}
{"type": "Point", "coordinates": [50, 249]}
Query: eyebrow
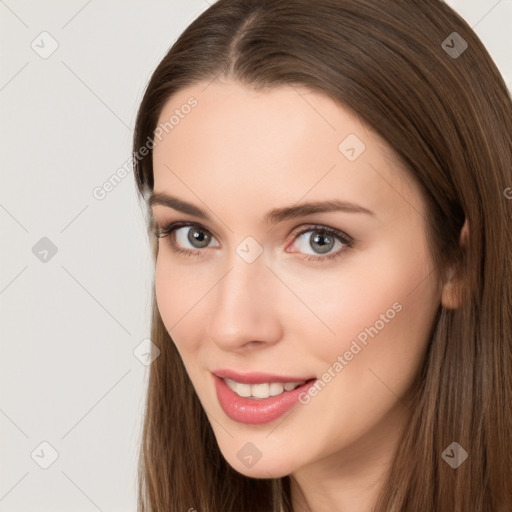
{"type": "Point", "coordinates": [273, 216]}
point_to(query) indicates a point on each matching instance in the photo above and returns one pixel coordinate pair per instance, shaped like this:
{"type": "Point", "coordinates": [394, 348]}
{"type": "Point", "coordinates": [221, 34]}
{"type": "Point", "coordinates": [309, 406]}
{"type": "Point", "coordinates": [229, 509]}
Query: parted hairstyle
{"type": "Point", "coordinates": [447, 114]}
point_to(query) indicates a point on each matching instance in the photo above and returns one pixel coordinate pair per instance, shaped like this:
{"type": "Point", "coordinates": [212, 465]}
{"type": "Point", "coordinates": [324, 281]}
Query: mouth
{"type": "Point", "coordinates": [264, 399]}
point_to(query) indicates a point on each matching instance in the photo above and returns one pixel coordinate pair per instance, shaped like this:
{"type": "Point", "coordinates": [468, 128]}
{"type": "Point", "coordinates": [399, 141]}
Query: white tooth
{"type": "Point", "coordinates": [260, 390]}
{"type": "Point", "coordinates": [276, 388]}
{"type": "Point", "coordinates": [292, 385]}
{"type": "Point", "coordinates": [243, 389]}
{"type": "Point", "coordinates": [231, 384]}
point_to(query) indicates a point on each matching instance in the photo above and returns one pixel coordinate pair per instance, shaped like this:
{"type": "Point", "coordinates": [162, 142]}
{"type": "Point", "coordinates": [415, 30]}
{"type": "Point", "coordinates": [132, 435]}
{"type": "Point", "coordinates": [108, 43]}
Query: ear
{"type": "Point", "coordinates": [450, 295]}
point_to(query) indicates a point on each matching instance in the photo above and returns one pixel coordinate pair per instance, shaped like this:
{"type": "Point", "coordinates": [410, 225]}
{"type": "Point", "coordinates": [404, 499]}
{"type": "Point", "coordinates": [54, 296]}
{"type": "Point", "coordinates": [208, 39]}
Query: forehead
{"type": "Point", "coordinates": [281, 144]}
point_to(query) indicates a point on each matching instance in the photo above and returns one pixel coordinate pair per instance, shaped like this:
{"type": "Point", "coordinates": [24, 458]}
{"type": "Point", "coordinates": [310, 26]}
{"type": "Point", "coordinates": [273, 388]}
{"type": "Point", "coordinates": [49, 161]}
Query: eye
{"type": "Point", "coordinates": [188, 239]}
{"type": "Point", "coordinates": [184, 236]}
{"type": "Point", "coordinates": [322, 240]}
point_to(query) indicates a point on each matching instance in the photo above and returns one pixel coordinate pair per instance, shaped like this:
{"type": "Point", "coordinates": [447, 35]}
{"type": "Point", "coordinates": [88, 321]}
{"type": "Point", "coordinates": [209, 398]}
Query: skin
{"type": "Point", "coordinates": [239, 154]}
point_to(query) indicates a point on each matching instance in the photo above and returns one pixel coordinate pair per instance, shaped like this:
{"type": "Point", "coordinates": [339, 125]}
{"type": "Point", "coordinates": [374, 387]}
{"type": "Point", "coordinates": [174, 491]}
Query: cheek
{"type": "Point", "coordinates": [169, 288]}
{"type": "Point", "coordinates": [179, 293]}
{"type": "Point", "coordinates": [165, 298]}
{"type": "Point", "coordinates": [378, 309]}
{"type": "Point", "coordinates": [382, 325]}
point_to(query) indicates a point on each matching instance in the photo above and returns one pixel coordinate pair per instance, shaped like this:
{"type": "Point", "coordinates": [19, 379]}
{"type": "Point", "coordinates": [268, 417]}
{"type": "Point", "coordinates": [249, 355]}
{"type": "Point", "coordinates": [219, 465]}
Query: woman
{"type": "Point", "coordinates": [326, 186]}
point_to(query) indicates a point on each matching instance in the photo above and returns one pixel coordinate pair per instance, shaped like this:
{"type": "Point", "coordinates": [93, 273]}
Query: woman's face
{"type": "Point", "coordinates": [265, 290]}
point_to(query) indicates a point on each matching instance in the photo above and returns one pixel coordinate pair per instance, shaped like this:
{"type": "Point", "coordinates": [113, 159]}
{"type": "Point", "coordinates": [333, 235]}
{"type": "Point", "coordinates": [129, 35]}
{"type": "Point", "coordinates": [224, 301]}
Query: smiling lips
{"type": "Point", "coordinates": [255, 398]}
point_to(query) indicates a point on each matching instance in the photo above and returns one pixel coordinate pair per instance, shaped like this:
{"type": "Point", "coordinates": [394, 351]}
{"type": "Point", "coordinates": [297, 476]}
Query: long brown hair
{"type": "Point", "coordinates": [446, 112]}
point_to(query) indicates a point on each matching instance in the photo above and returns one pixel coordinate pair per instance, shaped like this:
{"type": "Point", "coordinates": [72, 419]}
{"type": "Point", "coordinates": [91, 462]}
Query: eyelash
{"type": "Point", "coordinates": [346, 240]}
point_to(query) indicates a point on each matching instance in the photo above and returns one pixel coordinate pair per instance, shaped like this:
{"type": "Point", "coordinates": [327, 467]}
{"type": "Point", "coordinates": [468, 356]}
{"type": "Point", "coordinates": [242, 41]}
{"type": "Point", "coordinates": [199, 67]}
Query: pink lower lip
{"type": "Point", "coordinates": [253, 411]}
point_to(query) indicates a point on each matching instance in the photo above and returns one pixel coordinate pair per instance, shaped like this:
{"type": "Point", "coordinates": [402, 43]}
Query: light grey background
{"type": "Point", "coordinates": [70, 324]}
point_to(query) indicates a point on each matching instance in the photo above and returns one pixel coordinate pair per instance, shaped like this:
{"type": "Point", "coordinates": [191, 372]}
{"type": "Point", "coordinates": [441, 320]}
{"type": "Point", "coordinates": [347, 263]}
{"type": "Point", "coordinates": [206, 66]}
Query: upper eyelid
{"type": "Point", "coordinates": [175, 225]}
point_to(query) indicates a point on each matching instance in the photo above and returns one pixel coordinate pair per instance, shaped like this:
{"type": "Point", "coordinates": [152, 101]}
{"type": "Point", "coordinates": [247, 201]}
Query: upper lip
{"type": "Point", "coordinates": [256, 377]}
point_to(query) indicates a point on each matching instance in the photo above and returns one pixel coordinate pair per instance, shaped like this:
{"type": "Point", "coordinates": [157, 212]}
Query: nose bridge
{"type": "Point", "coordinates": [242, 291]}
{"type": "Point", "coordinates": [243, 309]}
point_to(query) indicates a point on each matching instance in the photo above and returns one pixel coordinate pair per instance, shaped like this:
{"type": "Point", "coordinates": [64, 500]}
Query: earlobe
{"type": "Point", "coordinates": [451, 292]}
{"type": "Point", "coordinates": [450, 296]}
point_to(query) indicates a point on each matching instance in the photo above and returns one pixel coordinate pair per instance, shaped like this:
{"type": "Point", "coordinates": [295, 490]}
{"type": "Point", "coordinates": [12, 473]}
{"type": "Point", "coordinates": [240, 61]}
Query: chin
{"type": "Point", "coordinates": [260, 469]}
{"type": "Point", "coordinates": [260, 466]}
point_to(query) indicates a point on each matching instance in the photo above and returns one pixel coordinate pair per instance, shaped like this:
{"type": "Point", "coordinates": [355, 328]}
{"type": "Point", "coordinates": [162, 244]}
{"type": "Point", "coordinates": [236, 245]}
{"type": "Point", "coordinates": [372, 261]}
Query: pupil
{"type": "Point", "coordinates": [325, 242]}
{"type": "Point", "coordinates": [196, 235]}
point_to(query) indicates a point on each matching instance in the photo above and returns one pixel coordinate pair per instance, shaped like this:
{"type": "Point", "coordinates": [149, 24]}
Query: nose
{"type": "Point", "coordinates": [245, 312]}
